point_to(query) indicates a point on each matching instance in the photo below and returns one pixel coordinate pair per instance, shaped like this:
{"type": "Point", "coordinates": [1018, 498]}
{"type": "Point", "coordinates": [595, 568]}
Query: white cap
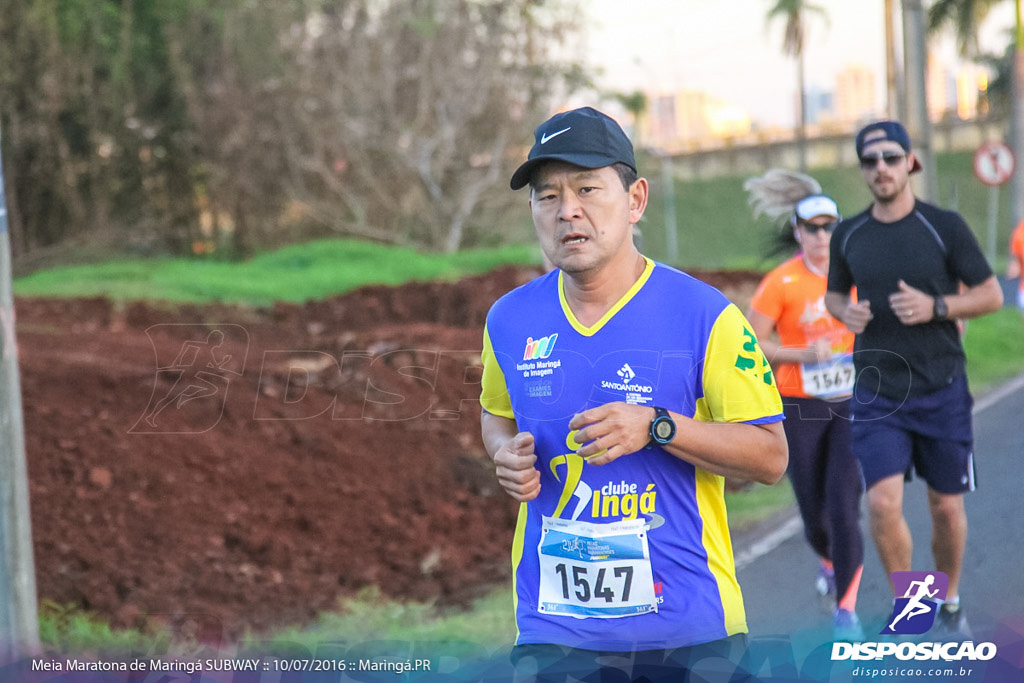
{"type": "Point", "coordinates": [816, 205]}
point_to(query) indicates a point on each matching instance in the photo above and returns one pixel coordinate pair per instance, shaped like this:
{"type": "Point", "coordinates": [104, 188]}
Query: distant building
{"type": "Point", "coordinates": [956, 92]}
{"type": "Point", "coordinates": [941, 89]}
{"type": "Point", "coordinates": [677, 120]}
{"type": "Point", "coordinates": [727, 120]}
{"type": "Point", "coordinates": [971, 86]}
{"type": "Point", "coordinates": [856, 96]}
{"type": "Point", "coordinates": [820, 106]}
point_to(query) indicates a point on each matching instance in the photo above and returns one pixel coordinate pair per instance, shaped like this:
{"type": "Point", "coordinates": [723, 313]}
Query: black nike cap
{"type": "Point", "coordinates": [584, 137]}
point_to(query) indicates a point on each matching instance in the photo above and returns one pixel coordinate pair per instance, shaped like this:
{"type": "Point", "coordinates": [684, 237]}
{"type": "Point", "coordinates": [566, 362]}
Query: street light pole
{"type": "Point", "coordinates": [1017, 120]}
{"type": "Point", "coordinates": [19, 620]}
{"type": "Point", "coordinates": [893, 93]}
{"type": "Point", "coordinates": [915, 61]}
{"type": "Point", "coordinates": [671, 235]}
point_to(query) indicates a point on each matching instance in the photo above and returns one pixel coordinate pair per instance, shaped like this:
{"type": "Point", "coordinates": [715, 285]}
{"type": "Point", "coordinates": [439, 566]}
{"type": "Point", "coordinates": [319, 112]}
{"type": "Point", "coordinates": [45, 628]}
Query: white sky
{"type": "Point", "coordinates": [725, 48]}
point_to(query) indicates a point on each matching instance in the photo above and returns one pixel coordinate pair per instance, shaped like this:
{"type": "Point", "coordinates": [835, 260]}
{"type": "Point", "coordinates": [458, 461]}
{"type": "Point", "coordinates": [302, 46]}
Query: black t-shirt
{"type": "Point", "coordinates": [932, 250]}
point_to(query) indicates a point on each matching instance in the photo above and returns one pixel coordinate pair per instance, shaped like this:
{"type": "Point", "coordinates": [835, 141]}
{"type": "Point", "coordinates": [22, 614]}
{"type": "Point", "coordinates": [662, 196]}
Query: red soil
{"type": "Point", "coordinates": [289, 477]}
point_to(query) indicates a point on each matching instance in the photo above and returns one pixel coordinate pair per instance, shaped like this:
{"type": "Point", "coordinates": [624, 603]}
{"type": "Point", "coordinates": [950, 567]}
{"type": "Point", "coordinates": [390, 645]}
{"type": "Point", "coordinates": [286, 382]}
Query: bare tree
{"type": "Point", "coordinates": [403, 112]}
{"type": "Point", "coordinates": [172, 123]}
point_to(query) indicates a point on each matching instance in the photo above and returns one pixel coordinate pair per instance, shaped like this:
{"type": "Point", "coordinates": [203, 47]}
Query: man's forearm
{"type": "Point", "coordinates": [746, 451]}
{"type": "Point", "coordinates": [836, 304]}
{"type": "Point", "coordinates": [986, 297]}
{"type": "Point", "coordinates": [496, 431]}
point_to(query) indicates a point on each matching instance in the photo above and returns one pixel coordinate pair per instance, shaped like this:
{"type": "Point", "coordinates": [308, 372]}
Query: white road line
{"type": "Point", "coordinates": [793, 525]}
{"type": "Point", "coordinates": [770, 542]}
{"type": "Point", "coordinates": [994, 397]}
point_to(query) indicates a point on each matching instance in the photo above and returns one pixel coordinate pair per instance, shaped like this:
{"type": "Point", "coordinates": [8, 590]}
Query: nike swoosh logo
{"type": "Point", "coordinates": [545, 138]}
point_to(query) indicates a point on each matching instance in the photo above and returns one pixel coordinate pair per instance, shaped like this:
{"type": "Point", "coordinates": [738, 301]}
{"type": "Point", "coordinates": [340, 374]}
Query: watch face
{"type": "Point", "coordinates": [663, 430]}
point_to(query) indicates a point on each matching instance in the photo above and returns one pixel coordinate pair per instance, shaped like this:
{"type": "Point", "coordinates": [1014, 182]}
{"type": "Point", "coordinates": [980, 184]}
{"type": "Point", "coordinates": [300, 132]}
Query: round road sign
{"type": "Point", "coordinates": [994, 163]}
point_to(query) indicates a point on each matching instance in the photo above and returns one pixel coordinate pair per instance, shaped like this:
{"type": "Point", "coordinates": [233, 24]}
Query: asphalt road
{"type": "Point", "coordinates": [777, 576]}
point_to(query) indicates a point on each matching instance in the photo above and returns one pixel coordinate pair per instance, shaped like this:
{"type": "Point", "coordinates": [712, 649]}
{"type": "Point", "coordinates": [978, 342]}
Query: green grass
{"type": "Point", "coordinates": [757, 502]}
{"type": "Point", "coordinates": [65, 628]}
{"type": "Point", "coordinates": [367, 617]}
{"type": "Point", "coordinates": [486, 624]}
{"type": "Point", "coordinates": [295, 274]}
{"type": "Point", "coordinates": [993, 348]}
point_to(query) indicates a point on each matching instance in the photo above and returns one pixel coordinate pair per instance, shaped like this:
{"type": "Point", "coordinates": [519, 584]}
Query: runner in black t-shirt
{"type": "Point", "coordinates": [917, 270]}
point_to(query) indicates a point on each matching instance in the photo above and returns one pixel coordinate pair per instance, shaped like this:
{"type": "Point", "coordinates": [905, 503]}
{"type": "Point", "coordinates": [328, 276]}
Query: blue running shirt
{"type": "Point", "coordinates": [672, 341]}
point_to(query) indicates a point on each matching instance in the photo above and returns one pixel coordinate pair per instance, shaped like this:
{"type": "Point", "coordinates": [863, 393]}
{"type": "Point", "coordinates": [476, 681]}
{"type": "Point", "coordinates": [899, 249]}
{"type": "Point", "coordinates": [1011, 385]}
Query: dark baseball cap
{"type": "Point", "coordinates": [584, 137]}
{"type": "Point", "coordinates": [886, 130]}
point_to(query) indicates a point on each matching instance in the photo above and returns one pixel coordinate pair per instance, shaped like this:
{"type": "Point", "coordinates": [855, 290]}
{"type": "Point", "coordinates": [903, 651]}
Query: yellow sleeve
{"type": "Point", "coordinates": [494, 396]}
{"type": "Point", "coordinates": [739, 385]}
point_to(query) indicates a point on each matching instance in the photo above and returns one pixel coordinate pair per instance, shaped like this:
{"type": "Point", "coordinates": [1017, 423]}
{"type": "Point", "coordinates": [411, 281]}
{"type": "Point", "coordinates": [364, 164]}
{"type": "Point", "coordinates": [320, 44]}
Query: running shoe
{"type": "Point", "coordinates": [825, 583]}
{"type": "Point", "coordinates": [825, 587]}
{"type": "Point", "coordinates": [952, 624]}
{"type": "Point", "coordinates": [846, 626]}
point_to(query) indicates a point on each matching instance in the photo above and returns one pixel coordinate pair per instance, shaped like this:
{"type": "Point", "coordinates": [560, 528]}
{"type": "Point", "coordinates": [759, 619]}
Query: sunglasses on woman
{"type": "Point", "coordinates": [869, 161]}
{"type": "Point", "coordinates": [811, 228]}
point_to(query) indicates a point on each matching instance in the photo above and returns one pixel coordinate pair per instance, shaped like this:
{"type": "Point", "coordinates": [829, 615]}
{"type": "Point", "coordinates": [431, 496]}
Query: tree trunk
{"type": "Point", "coordinates": [801, 126]}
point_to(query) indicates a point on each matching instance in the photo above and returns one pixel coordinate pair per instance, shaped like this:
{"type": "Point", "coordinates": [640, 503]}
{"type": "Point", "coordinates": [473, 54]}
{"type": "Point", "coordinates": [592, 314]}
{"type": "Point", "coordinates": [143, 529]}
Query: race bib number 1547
{"type": "Point", "coordinates": [595, 570]}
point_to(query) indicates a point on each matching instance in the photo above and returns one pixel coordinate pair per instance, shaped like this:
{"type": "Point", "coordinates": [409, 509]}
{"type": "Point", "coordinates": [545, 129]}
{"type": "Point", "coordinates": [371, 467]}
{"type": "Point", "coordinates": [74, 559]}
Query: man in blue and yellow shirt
{"type": "Point", "coordinates": [618, 393]}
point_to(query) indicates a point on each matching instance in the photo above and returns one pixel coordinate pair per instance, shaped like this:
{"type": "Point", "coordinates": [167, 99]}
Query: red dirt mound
{"type": "Point", "coordinates": [250, 467]}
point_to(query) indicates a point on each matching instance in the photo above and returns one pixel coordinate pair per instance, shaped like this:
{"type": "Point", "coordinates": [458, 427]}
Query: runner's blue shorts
{"type": "Point", "coordinates": [931, 434]}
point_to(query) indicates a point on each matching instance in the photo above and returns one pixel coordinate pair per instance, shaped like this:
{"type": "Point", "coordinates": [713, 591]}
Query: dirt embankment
{"type": "Point", "coordinates": [248, 468]}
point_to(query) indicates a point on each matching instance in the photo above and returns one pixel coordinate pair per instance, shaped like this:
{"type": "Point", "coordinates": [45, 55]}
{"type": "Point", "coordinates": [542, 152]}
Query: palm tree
{"type": "Point", "coordinates": [999, 91]}
{"type": "Point", "coordinates": [794, 13]}
{"type": "Point", "coordinates": [965, 17]}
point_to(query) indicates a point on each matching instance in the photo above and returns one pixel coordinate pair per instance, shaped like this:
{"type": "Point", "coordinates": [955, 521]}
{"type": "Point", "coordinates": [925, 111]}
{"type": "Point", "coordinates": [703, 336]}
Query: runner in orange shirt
{"type": "Point", "coordinates": [1015, 265]}
{"type": "Point", "coordinates": [811, 354]}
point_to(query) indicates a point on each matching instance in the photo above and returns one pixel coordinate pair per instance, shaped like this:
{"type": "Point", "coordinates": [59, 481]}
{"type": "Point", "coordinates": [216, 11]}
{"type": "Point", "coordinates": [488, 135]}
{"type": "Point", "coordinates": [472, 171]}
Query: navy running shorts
{"type": "Point", "coordinates": [931, 435]}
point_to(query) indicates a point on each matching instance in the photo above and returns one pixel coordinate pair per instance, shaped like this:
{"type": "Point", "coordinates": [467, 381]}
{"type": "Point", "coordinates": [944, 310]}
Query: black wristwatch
{"type": "Point", "coordinates": [663, 428]}
{"type": "Point", "coordinates": [940, 310]}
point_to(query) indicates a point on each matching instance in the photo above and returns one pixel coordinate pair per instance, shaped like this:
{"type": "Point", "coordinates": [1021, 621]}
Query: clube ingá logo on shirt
{"type": "Point", "coordinates": [914, 612]}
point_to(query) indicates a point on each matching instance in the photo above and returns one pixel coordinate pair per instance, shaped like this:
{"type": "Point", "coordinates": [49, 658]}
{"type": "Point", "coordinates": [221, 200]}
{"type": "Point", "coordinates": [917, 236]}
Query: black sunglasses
{"type": "Point", "coordinates": [811, 228]}
{"type": "Point", "coordinates": [869, 161]}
